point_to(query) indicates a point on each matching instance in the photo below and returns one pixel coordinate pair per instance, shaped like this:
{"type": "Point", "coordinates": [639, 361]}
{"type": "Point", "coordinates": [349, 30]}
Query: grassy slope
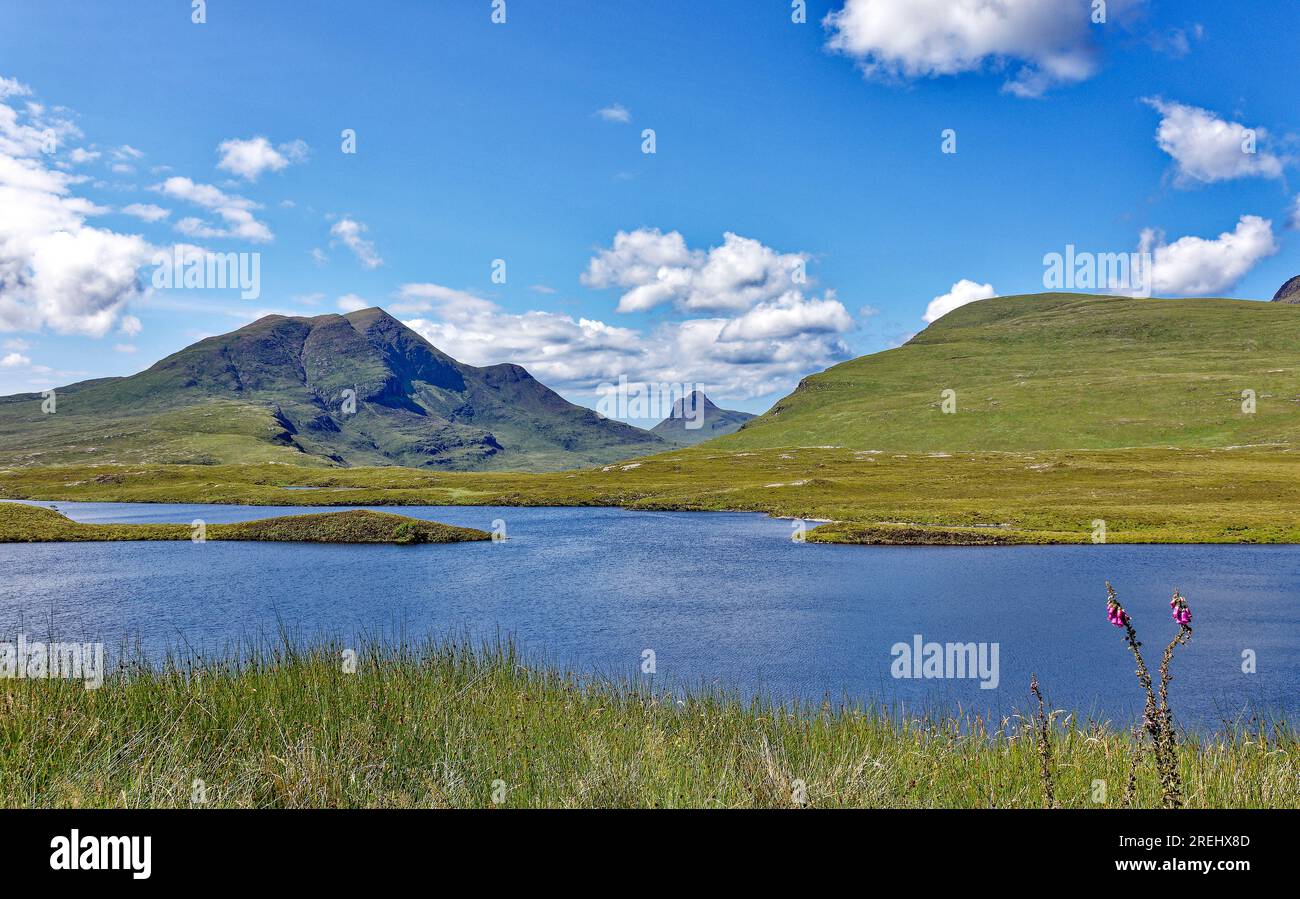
{"type": "Point", "coordinates": [33, 524]}
{"type": "Point", "coordinates": [203, 433]}
{"type": "Point", "coordinates": [1070, 409]}
{"type": "Point", "coordinates": [272, 391]}
{"type": "Point", "coordinates": [1153, 495]}
{"type": "Point", "coordinates": [1058, 371]}
{"type": "Point", "coordinates": [437, 726]}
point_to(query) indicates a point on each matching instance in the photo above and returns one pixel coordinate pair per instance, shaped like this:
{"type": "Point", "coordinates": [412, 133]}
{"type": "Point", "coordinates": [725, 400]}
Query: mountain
{"type": "Point", "coordinates": [695, 418]}
{"type": "Point", "coordinates": [1288, 292]}
{"type": "Point", "coordinates": [1058, 371]}
{"type": "Point", "coordinates": [277, 390]}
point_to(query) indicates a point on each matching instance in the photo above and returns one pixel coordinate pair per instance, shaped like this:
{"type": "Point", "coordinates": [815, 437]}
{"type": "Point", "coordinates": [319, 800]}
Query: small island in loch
{"type": "Point", "coordinates": [21, 523]}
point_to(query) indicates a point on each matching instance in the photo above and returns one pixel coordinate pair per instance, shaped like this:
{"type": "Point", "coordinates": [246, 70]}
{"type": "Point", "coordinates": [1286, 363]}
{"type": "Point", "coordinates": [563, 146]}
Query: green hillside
{"type": "Point", "coordinates": [356, 389]}
{"type": "Point", "coordinates": [1058, 371]}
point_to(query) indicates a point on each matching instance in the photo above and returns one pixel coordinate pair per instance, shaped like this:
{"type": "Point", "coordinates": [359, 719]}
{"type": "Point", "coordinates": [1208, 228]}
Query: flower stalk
{"type": "Point", "coordinates": [1157, 720]}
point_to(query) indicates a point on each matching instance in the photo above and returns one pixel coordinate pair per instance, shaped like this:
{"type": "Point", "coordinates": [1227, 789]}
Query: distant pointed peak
{"type": "Point", "coordinates": [689, 405]}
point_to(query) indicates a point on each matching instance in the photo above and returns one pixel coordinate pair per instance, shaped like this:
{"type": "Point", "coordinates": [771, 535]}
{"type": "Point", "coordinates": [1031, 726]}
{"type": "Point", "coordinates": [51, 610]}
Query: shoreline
{"type": "Point", "coordinates": [1150, 496]}
{"type": "Point", "coordinates": [26, 523]}
{"type": "Point", "coordinates": [942, 536]}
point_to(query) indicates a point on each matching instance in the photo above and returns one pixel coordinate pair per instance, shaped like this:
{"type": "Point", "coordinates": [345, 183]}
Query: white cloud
{"type": "Point", "coordinates": [425, 297]}
{"type": "Point", "coordinates": [350, 302]}
{"type": "Point", "coordinates": [1049, 41]}
{"type": "Point", "coordinates": [10, 87]}
{"type": "Point", "coordinates": [659, 268]}
{"type": "Point", "coordinates": [768, 349]}
{"type": "Point", "coordinates": [124, 348]}
{"type": "Point", "coordinates": [27, 133]}
{"type": "Point", "coordinates": [766, 332]}
{"type": "Point", "coordinates": [636, 260]}
{"type": "Point", "coordinates": [1195, 266]}
{"type": "Point", "coordinates": [146, 211]}
{"type": "Point", "coordinates": [235, 211]}
{"type": "Point", "coordinates": [15, 360]}
{"type": "Point", "coordinates": [790, 315]}
{"type": "Point", "coordinates": [1206, 148]}
{"type": "Point", "coordinates": [349, 231]}
{"type": "Point", "coordinates": [1294, 221]}
{"type": "Point", "coordinates": [615, 112]}
{"type": "Point", "coordinates": [250, 158]}
{"type": "Point", "coordinates": [56, 271]}
{"type": "Point", "coordinates": [130, 326]}
{"type": "Point", "coordinates": [963, 292]}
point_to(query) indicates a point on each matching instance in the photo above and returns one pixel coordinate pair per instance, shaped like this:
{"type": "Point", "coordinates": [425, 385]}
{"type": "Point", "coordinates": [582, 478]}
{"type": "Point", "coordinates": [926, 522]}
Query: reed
{"type": "Point", "coordinates": [448, 724]}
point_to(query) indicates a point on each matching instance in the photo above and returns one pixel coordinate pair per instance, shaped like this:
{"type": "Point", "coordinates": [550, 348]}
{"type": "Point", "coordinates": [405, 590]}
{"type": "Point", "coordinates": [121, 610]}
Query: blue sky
{"type": "Point", "coordinates": [816, 145]}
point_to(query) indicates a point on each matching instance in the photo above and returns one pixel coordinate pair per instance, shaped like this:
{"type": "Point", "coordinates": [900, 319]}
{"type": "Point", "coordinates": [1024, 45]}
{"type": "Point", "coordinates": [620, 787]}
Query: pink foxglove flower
{"type": "Point", "coordinates": [1115, 613]}
{"type": "Point", "coordinates": [1180, 610]}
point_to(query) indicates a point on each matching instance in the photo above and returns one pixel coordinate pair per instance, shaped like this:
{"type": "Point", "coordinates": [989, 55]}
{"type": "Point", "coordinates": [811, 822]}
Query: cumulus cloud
{"type": "Point", "coordinates": [790, 315]}
{"type": "Point", "coordinates": [349, 232]}
{"type": "Point", "coordinates": [125, 158]}
{"type": "Point", "coordinates": [56, 271]}
{"type": "Point", "coordinates": [350, 302]}
{"type": "Point", "coordinates": [11, 87]}
{"type": "Point", "coordinates": [30, 131]}
{"type": "Point", "coordinates": [1196, 266]}
{"type": "Point", "coordinates": [146, 211]}
{"type": "Point", "coordinates": [15, 360]}
{"type": "Point", "coordinates": [235, 211]}
{"type": "Point", "coordinates": [765, 332]}
{"type": "Point", "coordinates": [1049, 42]}
{"type": "Point", "coordinates": [767, 349]}
{"type": "Point", "coordinates": [130, 326]}
{"type": "Point", "coordinates": [250, 158]}
{"type": "Point", "coordinates": [657, 268]}
{"type": "Point", "coordinates": [615, 112]}
{"type": "Point", "coordinates": [1206, 148]}
{"type": "Point", "coordinates": [963, 292]}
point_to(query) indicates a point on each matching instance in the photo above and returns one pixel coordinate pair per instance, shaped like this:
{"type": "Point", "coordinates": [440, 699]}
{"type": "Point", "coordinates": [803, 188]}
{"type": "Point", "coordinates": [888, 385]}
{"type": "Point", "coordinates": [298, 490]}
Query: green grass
{"type": "Point", "coordinates": [1058, 371]}
{"type": "Point", "coordinates": [438, 726]}
{"type": "Point", "coordinates": [1069, 409]}
{"type": "Point", "coordinates": [1155, 495]}
{"type": "Point", "coordinates": [1029, 373]}
{"type": "Point", "coordinates": [273, 392]}
{"type": "Point", "coordinates": [31, 524]}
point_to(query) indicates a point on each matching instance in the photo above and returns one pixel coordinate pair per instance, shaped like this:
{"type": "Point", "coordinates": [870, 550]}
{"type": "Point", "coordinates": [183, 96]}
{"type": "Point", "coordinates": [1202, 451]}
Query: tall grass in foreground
{"type": "Point", "coordinates": [449, 725]}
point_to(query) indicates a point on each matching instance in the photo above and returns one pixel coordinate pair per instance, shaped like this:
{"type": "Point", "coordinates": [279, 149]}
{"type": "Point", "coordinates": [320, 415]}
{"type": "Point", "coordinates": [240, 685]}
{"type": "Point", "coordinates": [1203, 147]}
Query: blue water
{"type": "Point", "coordinates": [724, 600]}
